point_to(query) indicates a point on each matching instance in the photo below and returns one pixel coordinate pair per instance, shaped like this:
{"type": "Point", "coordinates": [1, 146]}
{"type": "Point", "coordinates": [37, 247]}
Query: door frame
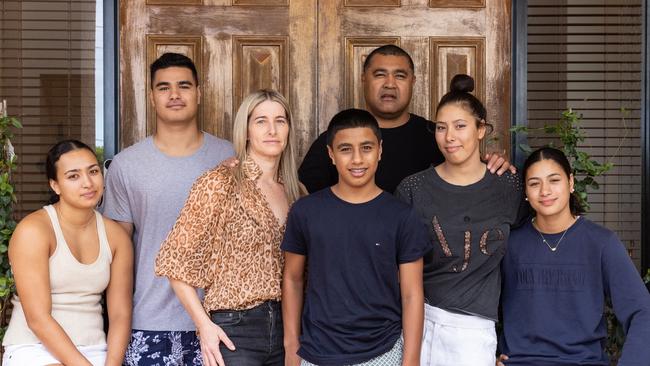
{"type": "Point", "coordinates": [645, 140]}
{"type": "Point", "coordinates": [518, 103]}
{"type": "Point", "coordinates": [111, 79]}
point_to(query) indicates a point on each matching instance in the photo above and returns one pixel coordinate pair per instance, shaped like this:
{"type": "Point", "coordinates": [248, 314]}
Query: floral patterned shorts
{"type": "Point", "coordinates": [161, 348]}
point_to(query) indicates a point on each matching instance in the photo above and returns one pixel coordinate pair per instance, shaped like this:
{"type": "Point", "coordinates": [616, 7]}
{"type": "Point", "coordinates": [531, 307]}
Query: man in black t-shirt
{"type": "Point", "coordinates": [408, 142]}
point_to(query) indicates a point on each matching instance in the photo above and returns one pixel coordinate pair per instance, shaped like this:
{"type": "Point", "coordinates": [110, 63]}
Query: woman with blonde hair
{"type": "Point", "coordinates": [227, 239]}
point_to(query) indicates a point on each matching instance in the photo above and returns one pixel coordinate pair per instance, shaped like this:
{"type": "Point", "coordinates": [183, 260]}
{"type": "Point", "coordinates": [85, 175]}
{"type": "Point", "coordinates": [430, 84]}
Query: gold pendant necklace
{"type": "Point", "coordinates": [557, 244]}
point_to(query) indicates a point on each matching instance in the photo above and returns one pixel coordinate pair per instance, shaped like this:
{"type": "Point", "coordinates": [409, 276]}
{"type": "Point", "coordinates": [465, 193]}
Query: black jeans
{"type": "Point", "coordinates": [257, 334]}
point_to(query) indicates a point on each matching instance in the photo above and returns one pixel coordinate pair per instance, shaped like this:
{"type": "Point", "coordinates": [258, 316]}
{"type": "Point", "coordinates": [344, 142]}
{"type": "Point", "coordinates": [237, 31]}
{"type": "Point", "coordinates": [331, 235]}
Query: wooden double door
{"type": "Point", "coordinates": [312, 51]}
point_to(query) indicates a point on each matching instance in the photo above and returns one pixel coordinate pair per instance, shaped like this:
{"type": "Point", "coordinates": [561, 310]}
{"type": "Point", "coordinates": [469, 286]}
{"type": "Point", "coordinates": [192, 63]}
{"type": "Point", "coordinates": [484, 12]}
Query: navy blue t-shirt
{"type": "Point", "coordinates": [352, 310]}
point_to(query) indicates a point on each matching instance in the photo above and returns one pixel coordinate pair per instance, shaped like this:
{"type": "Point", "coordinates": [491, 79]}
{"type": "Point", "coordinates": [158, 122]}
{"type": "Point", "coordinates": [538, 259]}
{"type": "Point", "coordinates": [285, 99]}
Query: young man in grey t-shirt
{"type": "Point", "coordinates": [146, 187]}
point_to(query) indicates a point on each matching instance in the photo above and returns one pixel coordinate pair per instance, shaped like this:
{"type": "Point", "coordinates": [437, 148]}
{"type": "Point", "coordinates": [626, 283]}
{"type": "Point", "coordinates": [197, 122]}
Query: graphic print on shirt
{"type": "Point", "coordinates": [467, 244]}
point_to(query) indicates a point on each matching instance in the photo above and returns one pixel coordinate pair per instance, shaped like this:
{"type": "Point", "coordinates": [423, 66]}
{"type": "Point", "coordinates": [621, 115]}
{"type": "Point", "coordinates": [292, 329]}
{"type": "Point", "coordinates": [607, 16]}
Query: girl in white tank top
{"type": "Point", "coordinates": [63, 258]}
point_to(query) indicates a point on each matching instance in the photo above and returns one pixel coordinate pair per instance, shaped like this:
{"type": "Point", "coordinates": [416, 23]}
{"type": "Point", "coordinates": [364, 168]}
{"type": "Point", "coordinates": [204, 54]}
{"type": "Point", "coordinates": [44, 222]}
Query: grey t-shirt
{"type": "Point", "coordinates": [148, 188]}
{"type": "Point", "coordinates": [469, 227]}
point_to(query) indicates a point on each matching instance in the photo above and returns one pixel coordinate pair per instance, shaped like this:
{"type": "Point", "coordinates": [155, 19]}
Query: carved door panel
{"type": "Point", "coordinates": [238, 46]}
{"type": "Point", "coordinates": [444, 37]}
{"type": "Point", "coordinates": [312, 51]}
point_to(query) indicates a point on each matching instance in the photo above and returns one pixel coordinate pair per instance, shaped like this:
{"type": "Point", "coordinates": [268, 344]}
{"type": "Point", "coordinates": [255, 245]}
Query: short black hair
{"type": "Point", "coordinates": [388, 50]}
{"type": "Point", "coordinates": [352, 118]}
{"type": "Point", "coordinates": [171, 59]}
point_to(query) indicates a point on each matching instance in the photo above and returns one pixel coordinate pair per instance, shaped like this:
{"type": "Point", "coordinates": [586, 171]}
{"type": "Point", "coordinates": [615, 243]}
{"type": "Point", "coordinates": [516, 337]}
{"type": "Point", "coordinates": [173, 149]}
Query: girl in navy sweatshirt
{"type": "Point", "coordinates": [558, 270]}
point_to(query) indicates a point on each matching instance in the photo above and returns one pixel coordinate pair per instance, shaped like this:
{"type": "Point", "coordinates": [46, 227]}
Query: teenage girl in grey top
{"type": "Point", "coordinates": [469, 212]}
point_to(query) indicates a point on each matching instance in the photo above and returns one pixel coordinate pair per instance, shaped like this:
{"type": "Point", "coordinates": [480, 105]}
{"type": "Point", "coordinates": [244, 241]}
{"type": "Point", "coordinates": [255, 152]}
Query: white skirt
{"type": "Point", "coordinates": [37, 355]}
{"type": "Point", "coordinates": [457, 339]}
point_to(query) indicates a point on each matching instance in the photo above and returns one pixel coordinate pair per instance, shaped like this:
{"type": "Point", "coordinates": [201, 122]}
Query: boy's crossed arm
{"type": "Point", "coordinates": [293, 285]}
{"type": "Point", "coordinates": [412, 292]}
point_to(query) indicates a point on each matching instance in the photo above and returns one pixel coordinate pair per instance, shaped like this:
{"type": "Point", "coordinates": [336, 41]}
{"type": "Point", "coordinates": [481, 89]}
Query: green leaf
{"type": "Point", "coordinates": [550, 129]}
{"type": "Point", "coordinates": [519, 129]}
{"type": "Point", "coordinates": [16, 123]}
{"type": "Point", "coordinates": [525, 148]}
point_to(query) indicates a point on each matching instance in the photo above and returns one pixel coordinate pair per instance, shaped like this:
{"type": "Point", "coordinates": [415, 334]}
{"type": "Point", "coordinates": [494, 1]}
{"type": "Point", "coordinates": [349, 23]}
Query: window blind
{"type": "Point", "coordinates": [586, 55]}
{"type": "Point", "coordinates": [47, 76]}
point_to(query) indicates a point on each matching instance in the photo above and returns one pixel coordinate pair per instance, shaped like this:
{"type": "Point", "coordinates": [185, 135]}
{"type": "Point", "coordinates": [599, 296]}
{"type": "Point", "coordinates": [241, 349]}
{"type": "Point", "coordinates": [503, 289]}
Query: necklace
{"type": "Point", "coordinates": [76, 226]}
{"type": "Point", "coordinates": [557, 244]}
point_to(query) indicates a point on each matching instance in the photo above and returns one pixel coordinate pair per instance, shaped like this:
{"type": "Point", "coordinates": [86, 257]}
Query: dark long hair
{"type": "Point", "coordinates": [549, 153]}
{"type": "Point", "coordinates": [55, 153]}
{"type": "Point", "coordinates": [460, 90]}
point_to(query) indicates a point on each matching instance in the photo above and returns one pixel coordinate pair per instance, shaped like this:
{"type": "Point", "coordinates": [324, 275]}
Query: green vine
{"type": "Point", "coordinates": [7, 199]}
{"type": "Point", "coordinates": [585, 169]}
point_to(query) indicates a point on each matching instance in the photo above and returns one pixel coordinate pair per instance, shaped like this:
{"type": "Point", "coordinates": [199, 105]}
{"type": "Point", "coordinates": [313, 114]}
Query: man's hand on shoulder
{"type": "Point", "coordinates": [231, 162]}
{"type": "Point", "coordinates": [496, 163]}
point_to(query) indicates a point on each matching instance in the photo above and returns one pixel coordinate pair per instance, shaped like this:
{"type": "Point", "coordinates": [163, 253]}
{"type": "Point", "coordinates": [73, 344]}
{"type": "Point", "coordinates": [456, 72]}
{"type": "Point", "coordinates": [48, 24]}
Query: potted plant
{"type": "Point", "coordinates": [7, 199]}
{"type": "Point", "coordinates": [567, 131]}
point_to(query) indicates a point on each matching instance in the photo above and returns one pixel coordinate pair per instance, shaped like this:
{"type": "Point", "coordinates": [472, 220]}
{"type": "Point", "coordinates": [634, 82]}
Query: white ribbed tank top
{"type": "Point", "coordinates": [76, 290]}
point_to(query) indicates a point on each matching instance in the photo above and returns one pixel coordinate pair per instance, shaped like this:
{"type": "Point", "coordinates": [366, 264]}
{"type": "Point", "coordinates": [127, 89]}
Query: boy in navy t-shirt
{"type": "Point", "coordinates": [364, 300]}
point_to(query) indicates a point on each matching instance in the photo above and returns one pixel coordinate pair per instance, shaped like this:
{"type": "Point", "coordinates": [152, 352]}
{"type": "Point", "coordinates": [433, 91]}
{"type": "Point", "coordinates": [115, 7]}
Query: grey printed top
{"type": "Point", "coordinates": [469, 226]}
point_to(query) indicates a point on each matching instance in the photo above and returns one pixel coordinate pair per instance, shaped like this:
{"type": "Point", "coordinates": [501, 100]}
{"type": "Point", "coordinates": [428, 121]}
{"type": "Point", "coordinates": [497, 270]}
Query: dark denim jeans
{"type": "Point", "coordinates": [257, 335]}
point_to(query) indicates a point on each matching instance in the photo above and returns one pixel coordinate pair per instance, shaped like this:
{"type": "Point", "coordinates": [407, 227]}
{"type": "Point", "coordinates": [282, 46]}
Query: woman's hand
{"type": "Point", "coordinates": [500, 359]}
{"type": "Point", "coordinates": [210, 335]}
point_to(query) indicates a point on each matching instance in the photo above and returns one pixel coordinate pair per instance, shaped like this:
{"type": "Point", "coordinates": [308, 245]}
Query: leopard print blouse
{"type": "Point", "coordinates": [227, 241]}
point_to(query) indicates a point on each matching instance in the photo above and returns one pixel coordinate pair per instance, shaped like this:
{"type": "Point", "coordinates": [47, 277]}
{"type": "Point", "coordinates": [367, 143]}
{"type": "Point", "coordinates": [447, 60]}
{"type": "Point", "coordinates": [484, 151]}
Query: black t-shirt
{"type": "Point", "coordinates": [352, 310]}
{"type": "Point", "coordinates": [407, 149]}
{"type": "Point", "coordinates": [469, 226]}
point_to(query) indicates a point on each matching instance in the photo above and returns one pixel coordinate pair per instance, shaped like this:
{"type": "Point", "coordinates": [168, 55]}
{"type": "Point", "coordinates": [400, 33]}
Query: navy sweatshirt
{"type": "Point", "coordinates": [553, 302]}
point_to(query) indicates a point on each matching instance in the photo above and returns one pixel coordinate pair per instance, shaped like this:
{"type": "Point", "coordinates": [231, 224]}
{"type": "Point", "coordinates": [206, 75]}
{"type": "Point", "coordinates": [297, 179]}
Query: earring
{"type": "Point", "coordinates": [572, 190]}
{"type": "Point", "coordinates": [526, 198]}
